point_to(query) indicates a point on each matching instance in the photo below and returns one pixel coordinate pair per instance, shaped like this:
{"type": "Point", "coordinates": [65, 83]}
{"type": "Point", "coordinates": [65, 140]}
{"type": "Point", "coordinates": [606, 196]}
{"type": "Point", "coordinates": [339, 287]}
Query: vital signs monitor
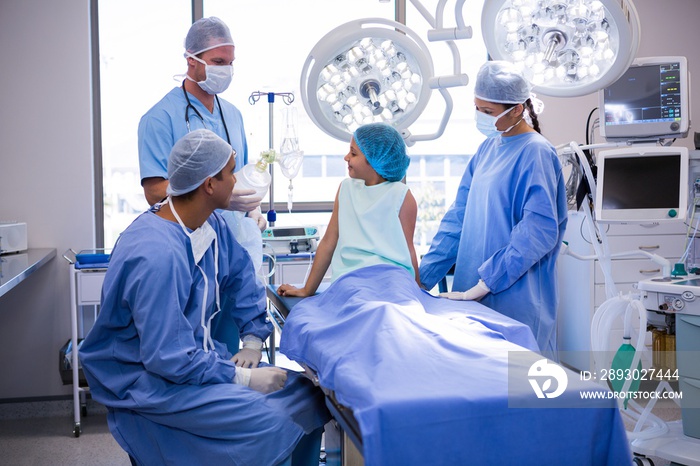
{"type": "Point", "coordinates": [649, 101]}
{"type": "Point", "coordinates": [642, 184]}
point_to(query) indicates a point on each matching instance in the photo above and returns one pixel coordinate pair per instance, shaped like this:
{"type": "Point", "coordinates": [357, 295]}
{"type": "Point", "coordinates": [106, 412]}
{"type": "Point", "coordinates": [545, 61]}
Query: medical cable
{"type": "Point", "coordinates": [615, 305]}
{"type": "Point", "coordinates": [600, 329]}
{"type": "Point", "coordinates": [690, 238]}
{"type": "Point", "coordinates": [601, 247]}
{"type": "Point", "coordinates": [273, 263]}
{"type": "Point", "coordinates": [308, 269]}
{"type": "Point", "coordinates": [189, 105]}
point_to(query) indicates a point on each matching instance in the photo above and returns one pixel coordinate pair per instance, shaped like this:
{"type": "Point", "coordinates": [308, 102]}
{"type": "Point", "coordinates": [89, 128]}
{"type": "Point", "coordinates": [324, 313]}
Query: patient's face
{"type": "Point", "coordinates": [358, 166]}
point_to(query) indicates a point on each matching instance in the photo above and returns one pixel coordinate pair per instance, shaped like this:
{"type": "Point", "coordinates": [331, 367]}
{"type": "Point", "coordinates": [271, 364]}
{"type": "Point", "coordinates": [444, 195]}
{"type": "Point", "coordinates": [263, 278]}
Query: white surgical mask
{"type": "Point", "coordinates": [218, 77]}
{"type": "Point", "coordinates": [486, 124]}
{"type": "Point", "coordinates": [200, 241]}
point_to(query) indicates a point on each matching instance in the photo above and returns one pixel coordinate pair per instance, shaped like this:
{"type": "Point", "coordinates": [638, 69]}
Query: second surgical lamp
{"type": "Point", "coordinates": [565, 48]}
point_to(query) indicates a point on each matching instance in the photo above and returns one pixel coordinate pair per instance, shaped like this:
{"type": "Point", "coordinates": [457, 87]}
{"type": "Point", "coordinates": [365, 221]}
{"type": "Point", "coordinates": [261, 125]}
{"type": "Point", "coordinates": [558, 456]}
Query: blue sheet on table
{"type": "Point", "coordinates": [427, 378]}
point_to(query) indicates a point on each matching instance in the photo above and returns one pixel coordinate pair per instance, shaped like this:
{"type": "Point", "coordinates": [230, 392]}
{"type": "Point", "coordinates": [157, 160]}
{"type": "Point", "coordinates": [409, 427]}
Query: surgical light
{"type": "Point", "coordinates": [366, 71]}
{"type": "Point", "coordinates": [565, 47]}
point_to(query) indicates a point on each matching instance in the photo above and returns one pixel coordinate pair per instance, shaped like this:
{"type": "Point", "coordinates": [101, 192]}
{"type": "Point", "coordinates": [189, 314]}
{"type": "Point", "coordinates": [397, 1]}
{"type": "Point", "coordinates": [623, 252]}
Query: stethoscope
{"type": "Point", "coordinates": [190, 106]}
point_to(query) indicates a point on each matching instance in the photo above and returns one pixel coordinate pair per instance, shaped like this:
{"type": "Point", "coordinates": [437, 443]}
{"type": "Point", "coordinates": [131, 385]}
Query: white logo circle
{"type": "Point", "coordinates": [546, 372]}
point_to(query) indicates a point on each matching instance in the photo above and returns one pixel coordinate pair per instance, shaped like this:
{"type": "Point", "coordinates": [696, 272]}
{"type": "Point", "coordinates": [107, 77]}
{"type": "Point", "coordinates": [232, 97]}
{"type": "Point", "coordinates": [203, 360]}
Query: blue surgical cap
{"type": "Point", "coordinates": [194, 158]}
{"type": "Point", "coordinates": [384, 149]}
{"type": "Point", "coordinates": [206, 34]}
{"type": "Point", "coordinates": [501, 82]}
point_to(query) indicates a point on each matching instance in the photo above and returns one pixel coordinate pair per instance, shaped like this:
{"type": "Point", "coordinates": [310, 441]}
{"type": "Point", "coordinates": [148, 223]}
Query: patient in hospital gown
{"type": "Point", "coordinates": [374, 214]}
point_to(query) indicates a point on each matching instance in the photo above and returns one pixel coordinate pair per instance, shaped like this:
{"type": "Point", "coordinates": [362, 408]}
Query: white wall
{"type": "Point", "coordinates": [45, 178]}
{"type": "Point", "coordinates": [46, 160]}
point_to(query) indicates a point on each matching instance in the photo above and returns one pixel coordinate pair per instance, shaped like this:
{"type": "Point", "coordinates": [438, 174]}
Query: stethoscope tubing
{"type": "Point", "coordinates": [187, 113]}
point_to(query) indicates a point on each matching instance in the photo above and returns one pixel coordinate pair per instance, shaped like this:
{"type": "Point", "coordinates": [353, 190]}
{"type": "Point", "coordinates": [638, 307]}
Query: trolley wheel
{"type": "Point", "coordinates": [76, 430]}
{"type": "Point", "coordinates": [641, 461]}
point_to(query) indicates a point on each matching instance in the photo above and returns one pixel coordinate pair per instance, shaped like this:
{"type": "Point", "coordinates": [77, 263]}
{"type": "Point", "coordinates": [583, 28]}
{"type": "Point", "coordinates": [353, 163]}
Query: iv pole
{"type": "Point", "coordinates": [287, 98]}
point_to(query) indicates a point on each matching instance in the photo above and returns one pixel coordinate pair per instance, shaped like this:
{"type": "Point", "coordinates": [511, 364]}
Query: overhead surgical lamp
{"type": "Point", "coordinates": [565, 48]}
{"type": "Point", "coordinates": [367, 71]}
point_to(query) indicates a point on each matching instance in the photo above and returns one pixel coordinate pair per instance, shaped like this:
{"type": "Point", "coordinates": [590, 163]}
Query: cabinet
{"type": "Point", "coordinates": [582, 284]}
{"type": "Point", "coordinates": [292, 269]}
{"type": "Point", "coordinates": [85, 291]}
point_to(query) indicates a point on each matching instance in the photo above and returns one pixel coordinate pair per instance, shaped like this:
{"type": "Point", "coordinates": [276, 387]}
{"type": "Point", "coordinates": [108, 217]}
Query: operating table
{"type": "Point", "coordinates": [416, 379]}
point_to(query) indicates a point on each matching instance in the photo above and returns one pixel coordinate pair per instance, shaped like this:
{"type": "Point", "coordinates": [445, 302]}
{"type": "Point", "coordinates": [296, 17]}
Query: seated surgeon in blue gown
{"type": "Point", "coordinates": [174, 394]}
{"type": "Point", "coordinates": [503, 232]}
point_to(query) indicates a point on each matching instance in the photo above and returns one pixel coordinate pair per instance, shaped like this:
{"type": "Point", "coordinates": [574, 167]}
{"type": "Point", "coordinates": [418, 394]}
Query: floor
{"type": "Point", "coordinates": [41, 433]}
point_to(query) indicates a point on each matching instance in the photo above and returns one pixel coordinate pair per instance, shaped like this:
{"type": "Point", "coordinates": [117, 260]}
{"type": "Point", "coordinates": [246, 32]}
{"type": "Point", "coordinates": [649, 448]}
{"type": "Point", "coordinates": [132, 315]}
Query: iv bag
{"type": "Point", "coordinates": [291, 163]}
{"type": "Point", "coordinates": [291, 157]}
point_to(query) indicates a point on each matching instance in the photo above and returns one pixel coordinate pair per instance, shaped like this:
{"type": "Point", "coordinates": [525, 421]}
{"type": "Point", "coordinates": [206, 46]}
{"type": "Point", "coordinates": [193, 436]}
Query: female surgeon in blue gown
{"type": "Point", "coordinates": [503, 232]}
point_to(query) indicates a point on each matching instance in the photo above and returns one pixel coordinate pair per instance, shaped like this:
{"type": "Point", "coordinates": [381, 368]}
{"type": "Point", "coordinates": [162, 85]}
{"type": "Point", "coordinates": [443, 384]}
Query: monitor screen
{"type": "Point", "coordinates": [642, 185]}
{"type": "Point", "coordinates": [649, 101]}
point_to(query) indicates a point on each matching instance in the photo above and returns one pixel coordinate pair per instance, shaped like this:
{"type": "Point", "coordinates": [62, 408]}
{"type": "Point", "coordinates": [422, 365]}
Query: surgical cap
{"type": "Point", "coordinates": [384, 149]}
{"type": "Point", "coordinates": [194, 158]}
{"type": "Point", "coordinates": [206, 34]}
{"type": "Point", "coordinates": [501, 82]}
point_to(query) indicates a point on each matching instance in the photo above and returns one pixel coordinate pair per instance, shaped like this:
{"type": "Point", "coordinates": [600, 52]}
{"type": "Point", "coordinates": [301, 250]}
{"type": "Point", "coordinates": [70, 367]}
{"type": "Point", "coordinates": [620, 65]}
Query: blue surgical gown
{"type": "Point", "coordinates": [505, 227]}
{"type": "Point", "coordinates": [162, 126]}
{"type": "Point", "coordinates": [169, 401]}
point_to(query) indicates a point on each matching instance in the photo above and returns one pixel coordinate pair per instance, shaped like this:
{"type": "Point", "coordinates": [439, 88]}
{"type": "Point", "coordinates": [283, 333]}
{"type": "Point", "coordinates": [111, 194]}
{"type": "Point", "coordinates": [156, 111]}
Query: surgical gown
{"type": "Point", "coordinates": [505, 227]}
{"type": "Point", "coordinates": [169, 401]}
{"type": "Point", "coordinates": [163, 125]}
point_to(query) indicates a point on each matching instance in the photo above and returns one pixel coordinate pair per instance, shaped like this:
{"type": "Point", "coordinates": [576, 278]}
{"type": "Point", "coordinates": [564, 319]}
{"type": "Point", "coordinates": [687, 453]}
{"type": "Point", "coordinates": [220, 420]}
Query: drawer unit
{"type": "Point", "coordinates": [582, 283]}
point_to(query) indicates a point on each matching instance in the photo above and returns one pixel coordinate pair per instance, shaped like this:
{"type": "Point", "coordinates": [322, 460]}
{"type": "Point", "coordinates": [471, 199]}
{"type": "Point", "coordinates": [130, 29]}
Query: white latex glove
{"type": "Point", "coordinates": [266, 379]}
{"type": "Point", "coordinates": [475, 293]}
{"type": "Point", "coordinates": [259, 218]}
{"type": "Point", "coordinates": [247, 357]}
{"type": "Point", "coordinates": [243, 200]}
{"type": "Point", "coordinates": [251, 353]}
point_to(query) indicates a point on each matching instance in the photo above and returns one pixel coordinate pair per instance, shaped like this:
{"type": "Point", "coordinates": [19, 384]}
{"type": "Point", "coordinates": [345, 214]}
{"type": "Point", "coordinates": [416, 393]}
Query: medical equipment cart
{"type": "Point", "coordinates": [87, 272]}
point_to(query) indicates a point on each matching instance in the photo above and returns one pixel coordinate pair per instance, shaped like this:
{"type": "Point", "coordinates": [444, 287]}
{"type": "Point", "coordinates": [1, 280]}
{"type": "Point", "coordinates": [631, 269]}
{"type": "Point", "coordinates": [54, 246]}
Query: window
{"type": "Point", "coordinates": [138, 64]}
{"type": "Point", "coordinates": [139, 55]}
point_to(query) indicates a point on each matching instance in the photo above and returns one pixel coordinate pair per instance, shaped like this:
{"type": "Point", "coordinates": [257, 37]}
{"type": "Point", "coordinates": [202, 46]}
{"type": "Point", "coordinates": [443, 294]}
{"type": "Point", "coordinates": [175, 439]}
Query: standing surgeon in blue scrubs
{"type": "Point", "coordinates": [175, 395]}
{"type": "Point", "coordinates": [210, 52]}
{"type": "Point", "coordinates": [503, 232]}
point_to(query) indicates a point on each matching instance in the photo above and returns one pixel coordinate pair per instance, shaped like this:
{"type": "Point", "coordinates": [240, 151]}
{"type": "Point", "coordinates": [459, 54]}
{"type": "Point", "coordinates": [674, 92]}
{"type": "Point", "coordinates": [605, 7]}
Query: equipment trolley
{"type": "Point", "coordinates": [87, 272]}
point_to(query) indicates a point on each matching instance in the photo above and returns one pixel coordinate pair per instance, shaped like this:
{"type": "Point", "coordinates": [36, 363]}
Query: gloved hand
{"type": "Point", "coordinates": [266, 379]}
{"type": "Point", "coordinates": [250, 354]}
{"type": "Point", "coordinates": [475, 293]}
{"type": "Point", "coordinates": [247, 357]}
{"type": "Point", "coordinates": [259, 218]}
{"type": "Point", "coordinates": [243, 200]}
